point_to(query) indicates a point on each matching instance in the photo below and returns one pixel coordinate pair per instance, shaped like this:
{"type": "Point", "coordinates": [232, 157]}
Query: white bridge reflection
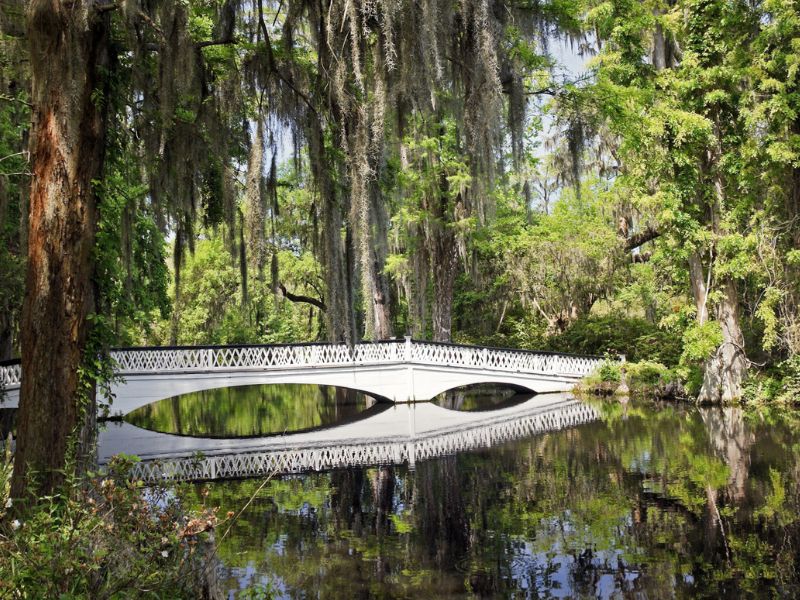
{"type": "Point", "coordinates": [400, 433]}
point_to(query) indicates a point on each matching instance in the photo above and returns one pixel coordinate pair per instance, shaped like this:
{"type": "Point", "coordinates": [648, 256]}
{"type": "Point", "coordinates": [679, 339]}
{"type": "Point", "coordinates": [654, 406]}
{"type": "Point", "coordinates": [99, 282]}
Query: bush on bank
{"type": "Point", "coordinates": [779, 385]}
{"type": "Point", "coordinates": [106, 537]}
{"type": "Point", "coordinates": [645, 378]}
{"type": "Point", "coordinates": [636, 339]}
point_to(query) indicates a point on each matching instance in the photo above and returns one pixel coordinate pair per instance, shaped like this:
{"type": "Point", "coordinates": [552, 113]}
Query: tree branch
{"type": "Point", "coordinates": [273, 67]}
{"type": "Point", "coordinates": [300, 298]}
{"type": "Point", "coordinates": [12, 99]}
{"type": "Point", "coordinates": [554, 90]}
{"type": "Point", "coordinates": [641, 238]}
{"type": "Point", "coordinates": [223, 42]}
{"type": "Point", "coordinates": [102, 8]}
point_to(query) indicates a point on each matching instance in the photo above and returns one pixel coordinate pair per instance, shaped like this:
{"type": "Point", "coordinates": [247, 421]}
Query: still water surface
{"type": "Point", "coordinates": [252, 410]}
{"type": "Point", "coordinates": [651, 500]}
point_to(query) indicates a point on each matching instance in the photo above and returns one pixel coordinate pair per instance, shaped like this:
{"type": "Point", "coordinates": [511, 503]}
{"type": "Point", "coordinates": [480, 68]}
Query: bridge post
{"type": "Point", "coordinates": [411, 395]}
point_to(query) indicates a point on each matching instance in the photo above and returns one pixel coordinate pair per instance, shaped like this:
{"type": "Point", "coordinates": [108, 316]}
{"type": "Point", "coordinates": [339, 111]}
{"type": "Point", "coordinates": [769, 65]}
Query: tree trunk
{"type": "Point", "coordinates": [726, 370]}
{"type": "Point", "coordinates": [381, 295]}
{"type": "Point", "coordinates": [6, 336]}
{"type": "Point", "coordinates": [68, 50]}
{"type": "Point", "coordinates": [699, 287]}
{"type": "Point", "coordinates": [444, 264]}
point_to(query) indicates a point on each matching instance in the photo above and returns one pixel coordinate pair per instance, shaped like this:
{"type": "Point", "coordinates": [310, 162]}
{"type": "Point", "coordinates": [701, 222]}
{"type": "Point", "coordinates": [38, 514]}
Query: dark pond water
{"type": "Point", "coordinates": [649, 501]}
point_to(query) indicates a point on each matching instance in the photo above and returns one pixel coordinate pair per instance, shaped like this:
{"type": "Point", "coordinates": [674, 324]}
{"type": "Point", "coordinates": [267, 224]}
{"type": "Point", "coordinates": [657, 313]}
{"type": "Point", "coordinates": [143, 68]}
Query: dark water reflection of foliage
{"type": "Point", "coordinates": [657, 500]}
{"type": "Point", "coordinates": [251, 410]}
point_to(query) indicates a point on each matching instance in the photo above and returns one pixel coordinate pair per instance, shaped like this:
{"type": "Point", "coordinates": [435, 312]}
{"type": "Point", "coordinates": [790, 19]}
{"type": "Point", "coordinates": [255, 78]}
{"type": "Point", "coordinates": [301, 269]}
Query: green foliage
{"type": "Point", "coordinates": [259, 591]}
{"type": "Point", "coordinates": [767, 313]}
{"type": "Point", "coordinates": [609, 372]}
{"type": "Point", "coordinates": [779, 385]}
{"type": "Point", "coordinates": [645, 378]}
{"type": "Point", "coordinates": [210, 308]}
{"type": "Point", "coordinates": [14, 122]}
{"type": "Point", "coordinates": [636, 339]}
{"type": "Point", "coordinates": [700, 342]}
{"type": "Point", "coordinates": [565, 262]}
{"type": "Point", "coordinates": [111, 538]}
{"type": "Point", "coordinates": [648, 374]}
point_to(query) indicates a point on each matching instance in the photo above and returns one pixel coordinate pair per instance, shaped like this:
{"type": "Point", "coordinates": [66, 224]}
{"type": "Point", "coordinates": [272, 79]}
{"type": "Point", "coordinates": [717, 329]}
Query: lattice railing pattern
{"type": "Point", "coordinates": [501, 359]}
{"type": "Point", "coordinates": [299, 459]}
{"type": "Point", "coordinates": [249, 357]}
{"type": "Point", "coordinates": [10, 375]}
{"type": "Point", "coordinates": [323, 355]}
{"type": "Point", "coordinates": [164, 360]}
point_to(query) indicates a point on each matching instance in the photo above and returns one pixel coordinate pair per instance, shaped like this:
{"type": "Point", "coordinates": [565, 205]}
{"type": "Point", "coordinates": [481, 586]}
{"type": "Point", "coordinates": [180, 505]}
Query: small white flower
{"type": "Point", "coordinates": [9, 503]}
{"type": "Point", "coordinates": [165, 553]}
{"type": "Point", "coordinates": [15, 524]}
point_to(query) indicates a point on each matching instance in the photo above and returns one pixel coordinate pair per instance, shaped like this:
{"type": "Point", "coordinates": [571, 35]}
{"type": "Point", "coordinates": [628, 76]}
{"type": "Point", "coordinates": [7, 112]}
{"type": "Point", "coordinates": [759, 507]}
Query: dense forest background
{"type": "Point", "coordinates": [259, 171]}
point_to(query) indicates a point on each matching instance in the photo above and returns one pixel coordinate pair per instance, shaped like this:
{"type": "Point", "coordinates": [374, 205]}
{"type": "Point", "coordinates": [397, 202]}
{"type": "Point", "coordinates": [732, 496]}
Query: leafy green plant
{"type": "Point", "coordinates": [637, 339]}
{"type": "Point", "coordinates": [106, 537]}
{"type": "Point", "coordinates": [648, 373]}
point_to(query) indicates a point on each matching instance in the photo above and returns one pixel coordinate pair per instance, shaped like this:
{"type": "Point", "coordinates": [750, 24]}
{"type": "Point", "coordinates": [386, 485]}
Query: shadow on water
{"type": "Point", "coordinates": [254, 411]}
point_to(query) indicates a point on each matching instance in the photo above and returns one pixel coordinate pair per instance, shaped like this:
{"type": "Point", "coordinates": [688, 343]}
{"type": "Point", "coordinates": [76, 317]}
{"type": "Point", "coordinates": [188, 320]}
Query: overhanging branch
{"type": "Point", "coordinates": [641, 238]}
{"type": "Point", "coordinates": [300, 298]}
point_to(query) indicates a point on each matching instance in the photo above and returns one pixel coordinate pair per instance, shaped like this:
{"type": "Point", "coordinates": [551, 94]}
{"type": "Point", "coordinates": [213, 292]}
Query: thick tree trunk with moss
{"type": "Point", "coordinates": [726, 370]}
{"type": "Point", "coordinates": [68, 49]}
{"type": "Point", "coordinates": [443, 250]}
{"type": "Point", "coordinates": [379, 288]}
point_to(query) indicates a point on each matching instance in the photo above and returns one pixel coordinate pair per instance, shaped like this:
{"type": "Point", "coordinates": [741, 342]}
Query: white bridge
{"type": "Point", "coordinates": [396, 370]}
{"type": "Point", "coordinates": [403, 433]}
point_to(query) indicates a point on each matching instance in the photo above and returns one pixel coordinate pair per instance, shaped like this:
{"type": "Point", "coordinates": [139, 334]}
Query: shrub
{"type": "Point", "coordinates": [637, 339]}
{"type": "Point", "coordinates": [609, 372]}
{"type": "Point", "coordinates": [648, 374]}
{"type": "Point", "coordinates": [790, 380]}
{"type": "Point", "coordinates": [643, 378]}
{"type": "Point", "coordinates": [780, 384]}
{"type": "Point", "coordinates": [106, 537]}
{"type": "Point", "coordinates": [604, 378]}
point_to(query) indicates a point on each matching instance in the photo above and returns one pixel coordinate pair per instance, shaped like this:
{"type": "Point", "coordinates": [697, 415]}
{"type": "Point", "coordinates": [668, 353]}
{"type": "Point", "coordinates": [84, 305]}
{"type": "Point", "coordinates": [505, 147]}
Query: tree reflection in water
{"type": "Point", "coordinates": [251, 410]}
{"type": "Point", "coordinates": [658, 500]}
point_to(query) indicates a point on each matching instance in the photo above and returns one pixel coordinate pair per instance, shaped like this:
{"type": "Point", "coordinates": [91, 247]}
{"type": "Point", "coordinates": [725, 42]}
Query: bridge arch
{"type": "Point", "coordinates": [436, 389]}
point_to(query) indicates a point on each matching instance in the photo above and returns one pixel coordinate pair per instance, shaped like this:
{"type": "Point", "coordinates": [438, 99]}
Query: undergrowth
{"type": "Point", "coordinates": [106, 536]}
